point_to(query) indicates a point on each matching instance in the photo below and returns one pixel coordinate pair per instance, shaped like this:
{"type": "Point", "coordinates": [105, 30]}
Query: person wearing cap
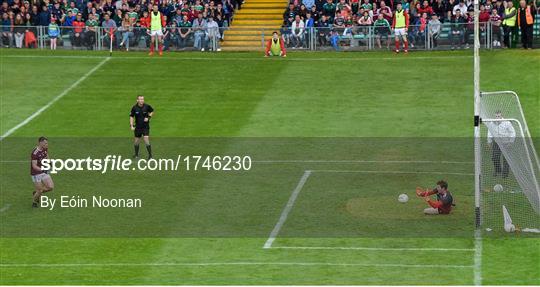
{"type": "Point", "coordinates": [525, 19]}
{"type": "Point", "coordinates": [509, 22]}
{"type": "Point", "coordinates": [400, 25]}
{"type": "Point", "coordinates": [275, 46]}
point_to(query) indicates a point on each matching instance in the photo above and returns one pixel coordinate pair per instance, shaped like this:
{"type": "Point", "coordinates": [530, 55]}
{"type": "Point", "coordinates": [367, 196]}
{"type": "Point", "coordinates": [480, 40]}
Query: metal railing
{"type": "Point", "coordinates": [354, 38]}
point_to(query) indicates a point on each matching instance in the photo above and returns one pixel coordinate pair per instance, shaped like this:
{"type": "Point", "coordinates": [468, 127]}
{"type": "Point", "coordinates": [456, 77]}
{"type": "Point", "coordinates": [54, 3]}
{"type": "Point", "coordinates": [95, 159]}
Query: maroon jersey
{"type": "Point", "coordinates": [38, 155]}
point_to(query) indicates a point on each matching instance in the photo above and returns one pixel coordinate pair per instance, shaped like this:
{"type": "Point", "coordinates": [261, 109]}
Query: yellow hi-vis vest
{"type": "Point", "coordinates": [275, 48]}
{"type": "Point", "coordinates": [400, 19]}
{"type": "Point", "coordinates": [511, 22]}
{"type": "Point", "coordinates": [155, 22]}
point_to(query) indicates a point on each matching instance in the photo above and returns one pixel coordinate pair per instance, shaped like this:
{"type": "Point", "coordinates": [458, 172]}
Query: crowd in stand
{"type": "Point", "coordinates": [126, 21]}
{"type": "Point", "coordinates": [328, 22]}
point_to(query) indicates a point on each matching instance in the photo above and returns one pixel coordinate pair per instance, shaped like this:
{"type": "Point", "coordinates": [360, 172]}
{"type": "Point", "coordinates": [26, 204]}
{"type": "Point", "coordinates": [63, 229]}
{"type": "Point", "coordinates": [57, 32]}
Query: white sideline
{"type": "Point", "coordinates": [238, 58]}
{"type": "Point", "coordinates": [286, 210]}
{"type": "Point", "coordinates": [363, 161]}
{"type": "Point", "coordinates": [392, 172]}
{"type": "Point", "coordinates": [425, 266]}
{"type": "Point", "coordinates": [54, 100]}
{"type": "Point", "coordinates": [478, 257]}
{"type": "Point", "coordinates": [371, 248]}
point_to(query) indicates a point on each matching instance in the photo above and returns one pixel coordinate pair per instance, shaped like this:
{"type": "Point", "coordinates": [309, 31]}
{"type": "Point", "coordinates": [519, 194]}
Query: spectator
{"type": "Point", "coordinates": [7, 30]}
{"type": "Point", "coordinates": [386, 11]}
{"type": "Point", "coordinates": [78, 30]}
{"type": "Point", "coordinates": [184, 32]}
{"type": "Point", "coordinates": [469, 30]}
{"type": "Point", "coordinates": [18, 30]}
{"type": "Point", "coordinates": [315, 15]}
{"type": "Point", "coordinates": [91, 29]}
{"type": "Point", "coordinates": [439, 9]}
{"type": "Point", "coordinates": [456, 30]}
{"type": "Point", "coordinates": [425, 8]}
{"type": "Point", "coordinates": [303, 11]}
{"type": "Point", "coordinates": [495, 22]}
{"type": "Point", "coordinates": [212, 31]}
{"type": "Point", "coordinates": [199, 26]}
{"type": "Point", "coordinates": [344, 9]}
{"type": "Point", "coordinates": [462, 7]}
{"type": "Point", "coordinates": [44, 16]}
{"type": "Point", "coordinates": [329, 10]}
{"type": "Point", "coordinates": [127, 31]}
{"type": "Point", "coordinates": [109, 29]}
{"type": "Point", "coordinates": [324, 30]}
{"type": "Point", "coordinates": [422, 27]}
{"type": "Point", "coordinates": [434, 29]}
{"type": "Point", "coordinates": [365, 22]}
{"type": "Point", "coordinates": [309, 4]}
{"type": "Point", "coordinates": [54, 32]}
{"type": "Point", "coordinates": [382, 30]}
{"type": "Point", "coordinates": [450, 10]}
{"type": "Point", "coordinates": [297, 30]}
{"type": "Point", "coordinates": [509, 23]}
{"type": "Point", "coordinates": [34, 16]}
{"type": "Point", "coordinates": [526, 15]}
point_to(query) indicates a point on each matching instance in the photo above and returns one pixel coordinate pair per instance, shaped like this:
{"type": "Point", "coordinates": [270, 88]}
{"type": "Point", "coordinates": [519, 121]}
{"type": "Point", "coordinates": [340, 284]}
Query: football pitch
{"type": "Point", "coordinates": [333, 139]}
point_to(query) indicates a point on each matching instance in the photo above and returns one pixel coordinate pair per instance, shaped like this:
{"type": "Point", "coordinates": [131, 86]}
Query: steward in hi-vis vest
{"type": "Point", "coordinates": [525, 20]}
{"type": "Point", "coordinates": [509, 23]}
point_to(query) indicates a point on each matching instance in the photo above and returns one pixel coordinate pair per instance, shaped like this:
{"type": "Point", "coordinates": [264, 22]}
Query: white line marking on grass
{"type": "Point", "coordinates": [287, 209]}
{"type": "Point", "coordinates": [157, 264]}
{"type": "Point", "coordinates": [54, 100]}
{"type": "Point", "coordinates": [5, 208]}
{"type": "Point", "coordinates": [363, 161]}
{"type": "Point", "coordinates": [478, 257]}
{"type": "Point", "coordinates": [393, 172]}
{"type": "Point", "coordinates": [210, 58]}
{"type": "Point", "coordinates": [371, 248]}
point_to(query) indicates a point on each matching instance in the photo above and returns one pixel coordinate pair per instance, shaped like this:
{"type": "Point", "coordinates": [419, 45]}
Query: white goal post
{"type": "Point", "coordinates": [506, 164]}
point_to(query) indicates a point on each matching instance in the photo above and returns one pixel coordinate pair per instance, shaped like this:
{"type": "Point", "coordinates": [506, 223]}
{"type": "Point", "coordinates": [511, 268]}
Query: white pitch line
{"type": "Point", "coordinates": [363, 161]}
{"type": "Point", "coordinates": [241, 58]}
{"type": "Point", "coordinates": [5, 208]}
{"type": "Point", "coordinates": [371, 248]}
{"type": "Point", "coordinates": [157, 264]}
{"type": "Point", "coordinates": [392, 172]}
{"type": "Point", "coordinates": [286, 210]}
{"type": "Point", "coordinates": [54, 100]}
{"type": "Point", "coordinates": [478, 257]}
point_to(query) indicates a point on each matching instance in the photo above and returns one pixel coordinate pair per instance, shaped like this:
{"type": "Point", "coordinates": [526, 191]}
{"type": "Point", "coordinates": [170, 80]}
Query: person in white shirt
{"type": "Point", "coordinates": [297, 32]}
{"type": "Point", "coordinates": [461, 6]}
{"type": "Point", "coordinates": [500, 133]}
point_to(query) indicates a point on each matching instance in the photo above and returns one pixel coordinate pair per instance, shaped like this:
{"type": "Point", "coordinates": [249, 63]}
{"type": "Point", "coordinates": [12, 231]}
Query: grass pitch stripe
{"type": "Point", "coordinates": [286, 210]}
{"type": "Point", "coordinates": [165, 264]}
{"type": "Point", "coordinates": [371, 248]}
{"type": "Point", "coordinates": [54, 100]}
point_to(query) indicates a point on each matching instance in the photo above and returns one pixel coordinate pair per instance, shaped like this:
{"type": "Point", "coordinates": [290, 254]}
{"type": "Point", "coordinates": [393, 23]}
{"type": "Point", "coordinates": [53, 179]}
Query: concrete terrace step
{"type": "Point", "coordinates": [264, 6]}
{"type": "Point", "coordinates": [279, 11]}
{"type": "Point", "coordinates": [235, 38]}
{"type": "Point", "coordinates": [242, 43]}
{"type": "Point", "coordinates": [256, 17]}
{"type": "Point", "coordinates": [263, 22]}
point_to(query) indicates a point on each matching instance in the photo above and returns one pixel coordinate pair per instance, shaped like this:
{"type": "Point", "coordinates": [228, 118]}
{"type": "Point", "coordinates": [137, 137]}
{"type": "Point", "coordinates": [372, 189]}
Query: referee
{"type": "Point", "coordinates": [139, 121]}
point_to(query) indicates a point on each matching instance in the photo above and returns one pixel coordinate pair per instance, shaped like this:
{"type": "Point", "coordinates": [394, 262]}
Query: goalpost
{"type": "Point", "coordinates": [507, 168]}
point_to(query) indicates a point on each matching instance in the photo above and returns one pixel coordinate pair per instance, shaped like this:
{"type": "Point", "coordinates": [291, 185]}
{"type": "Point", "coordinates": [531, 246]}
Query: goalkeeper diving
{"type": "Point", "coordinates": [444, 200]}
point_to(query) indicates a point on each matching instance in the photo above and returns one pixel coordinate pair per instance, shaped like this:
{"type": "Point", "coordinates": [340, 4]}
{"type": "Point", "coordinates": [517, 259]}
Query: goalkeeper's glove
{"type": "Point", "coordinates": [421, 192]}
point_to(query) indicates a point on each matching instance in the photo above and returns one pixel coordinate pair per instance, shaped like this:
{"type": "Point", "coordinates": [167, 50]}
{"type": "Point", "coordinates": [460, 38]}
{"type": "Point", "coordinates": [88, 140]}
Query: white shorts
{"type": "Point", "coordinates": [156, 32]}
{"type": "Point", "coordinates": [40, 177]}
{"type": "Point", "coordinates": [400, 32]}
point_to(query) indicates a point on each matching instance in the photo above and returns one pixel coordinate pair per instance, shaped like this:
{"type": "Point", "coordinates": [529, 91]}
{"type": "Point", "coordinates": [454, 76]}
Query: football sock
{"type": "Point", "coordinates": [397, 44]}
{"type": "Point", "coordinates": [149, 149]}
{"type": "Point", "coordinates": [136, 149]}
{"type": "Point", "coordinates": [160, 47]}
{"type": "Point", "coordinates": [406, 45]}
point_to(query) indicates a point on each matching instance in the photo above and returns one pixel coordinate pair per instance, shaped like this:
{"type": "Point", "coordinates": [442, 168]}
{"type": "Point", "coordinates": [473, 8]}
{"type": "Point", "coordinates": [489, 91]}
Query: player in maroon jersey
{"type": "Point", "coordinates": [41, 179]}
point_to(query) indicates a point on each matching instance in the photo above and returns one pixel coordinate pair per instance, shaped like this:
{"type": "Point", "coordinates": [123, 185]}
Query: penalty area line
{"type": "Point", "coordinates": [371, 248]}
{"type": "Point", "coordinates": [187, 264]}
{"type": "Point", "coordinates": [287, 209]}
{"type": "Point", "coordinates": [54, 100]}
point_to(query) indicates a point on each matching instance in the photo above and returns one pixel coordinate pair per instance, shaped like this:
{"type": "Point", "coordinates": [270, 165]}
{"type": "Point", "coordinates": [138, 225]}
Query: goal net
{"type": "Point", "coordinates": [510, 168]}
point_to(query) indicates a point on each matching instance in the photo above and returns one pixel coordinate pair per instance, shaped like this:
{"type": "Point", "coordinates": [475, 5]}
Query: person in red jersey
{"type": "Point", "coordinates": [400, 25]}
{"type": "Point", "coordinates": [444, 202]}
{"type": "Point", "coordinates": [275, 46]}
{"type": "Point", "coordinates": [41, 179]}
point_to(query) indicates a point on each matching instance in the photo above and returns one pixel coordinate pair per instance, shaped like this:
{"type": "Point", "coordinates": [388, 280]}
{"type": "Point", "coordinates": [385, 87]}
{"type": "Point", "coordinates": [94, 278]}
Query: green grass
{"type": "Point", "coordinates": [209, 227]}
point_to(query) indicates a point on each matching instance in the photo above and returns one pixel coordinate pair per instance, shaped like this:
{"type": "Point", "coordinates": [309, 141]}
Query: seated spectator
{"type": "Point", "coordinates": [457, 25]}
{"type": "Point", "coordinates": [212, 32]}
{"type": "Point", "coordinates": [329, 10]}
{"type": "Point", "coordinates": [126, 31]}
{"type": "Point", "coordinates": [469, 29]}
{"type": "Point", "coordinates": [382, 30]}
{"type": "Point", "coordinates": [184, 32]}
{"type": "Point", "coordinates": [434, 29]}
{"type": "Point", "coordinates": [170, 36]}
{"type": "Point", "coordinates": [91, 29]}
{"type": "Point", "coordinates": [7, 30]}
{"type": "Point", "coordinates": [18, 30]}
{"type": "Point", "coordinates": [199, 28]}
{"type": "Point", "coordinates": [297, 32]}
{"type": "Point", "coordinates": [323, 30]}
{"type": "Point", "coordinates": [78, 29]}
{"type": "Point", "coordinates": [365, 22]}
{"type": "Point", "coordinates": [344, 9]}
{"type": "Point", "coordinates": [425, 8]}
